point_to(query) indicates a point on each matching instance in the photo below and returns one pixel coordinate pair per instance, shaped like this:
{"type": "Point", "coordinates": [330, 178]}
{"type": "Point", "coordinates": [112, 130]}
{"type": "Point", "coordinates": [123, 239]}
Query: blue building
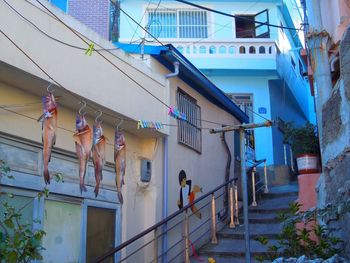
{"type": "Point", "coordinates": [257, 66]}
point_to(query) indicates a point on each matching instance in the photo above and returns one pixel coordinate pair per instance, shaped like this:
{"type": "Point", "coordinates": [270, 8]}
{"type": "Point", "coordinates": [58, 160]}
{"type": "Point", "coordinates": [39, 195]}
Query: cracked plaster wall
{"type": "Point", "coordinates": [334, 184]}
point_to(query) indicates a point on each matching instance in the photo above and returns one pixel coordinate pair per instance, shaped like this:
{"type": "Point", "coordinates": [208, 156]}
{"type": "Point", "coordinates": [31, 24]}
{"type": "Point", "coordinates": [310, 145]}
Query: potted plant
{"type": "Point", "coordinates": [305, 146]}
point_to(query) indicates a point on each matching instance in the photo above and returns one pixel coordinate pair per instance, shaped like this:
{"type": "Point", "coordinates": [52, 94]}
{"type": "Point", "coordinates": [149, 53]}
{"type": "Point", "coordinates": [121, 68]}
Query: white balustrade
{"type": "Point", "coordinates": [227, 49]}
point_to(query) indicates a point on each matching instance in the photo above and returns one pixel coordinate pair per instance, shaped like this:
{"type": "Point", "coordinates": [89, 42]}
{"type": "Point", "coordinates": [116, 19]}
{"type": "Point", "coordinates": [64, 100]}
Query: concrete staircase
{"type": "Point", "coordinates": [262, 221]}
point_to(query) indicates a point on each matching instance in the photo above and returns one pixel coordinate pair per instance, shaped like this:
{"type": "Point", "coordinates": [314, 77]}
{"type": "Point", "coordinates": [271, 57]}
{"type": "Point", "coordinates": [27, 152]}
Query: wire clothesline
{"type": "Point", "coordinates": [98, 53]}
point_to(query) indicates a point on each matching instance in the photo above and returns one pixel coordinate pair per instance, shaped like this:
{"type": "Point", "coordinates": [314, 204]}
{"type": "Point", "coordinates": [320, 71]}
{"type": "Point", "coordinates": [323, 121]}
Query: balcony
{"type": "Point", "coordinates": [243, 54]}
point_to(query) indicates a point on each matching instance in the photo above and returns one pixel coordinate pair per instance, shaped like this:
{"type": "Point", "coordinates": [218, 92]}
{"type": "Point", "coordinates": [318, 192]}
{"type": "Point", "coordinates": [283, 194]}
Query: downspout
{"type": "Point", "coordinates": [318, 41]}
{"type": "Point", "coordinates": [165, 198]}
{"type": "Point", "coordinates": [176, 70]}
{"type": "Point", "coordinates": [224, 214]}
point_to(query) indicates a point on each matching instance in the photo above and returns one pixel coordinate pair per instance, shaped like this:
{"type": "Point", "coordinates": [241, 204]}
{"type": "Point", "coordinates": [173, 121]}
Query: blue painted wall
{"type": "Point", "coordinates": [258, 87]}
{"type": "Point", "coordinates": [285, 107]}
{"type": "Point", "coordinates": [255, 75]}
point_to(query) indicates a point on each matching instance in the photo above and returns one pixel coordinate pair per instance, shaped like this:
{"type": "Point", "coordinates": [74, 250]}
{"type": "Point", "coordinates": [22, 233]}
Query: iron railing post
{"type": "Point", "coordinates": [232, 221]}
{"type": "Point", "coordinates": [266, 190]}
{"type": "Point", "coordinates": [214, 240]}
{"type": "Point", "coordinates": [236, 206]}
{"type": "Point", "coordinates": [245, 197]}
{"type": "Point", "coordinates": [253, 185]}
{"type": "Point", "coordinates": [155, 246]}
{"type": "Point", "coordinates": [187, 239]}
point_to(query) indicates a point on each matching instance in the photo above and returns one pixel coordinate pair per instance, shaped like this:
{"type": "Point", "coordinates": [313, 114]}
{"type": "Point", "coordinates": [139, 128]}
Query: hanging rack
{"type": "Point", "coordinates": [48, 88]}
{"type": "Point", "coordinates": [119, 124]}
{"type": "Point", "coordinates": [98, 117]}
{"type": "Point", "coordinates": [82, 107]}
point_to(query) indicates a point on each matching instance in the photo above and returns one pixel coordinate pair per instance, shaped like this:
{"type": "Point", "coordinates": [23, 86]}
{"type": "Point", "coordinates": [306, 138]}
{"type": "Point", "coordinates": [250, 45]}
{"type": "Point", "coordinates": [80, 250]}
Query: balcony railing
{"type": "Point", "coordinates": [228, 49]}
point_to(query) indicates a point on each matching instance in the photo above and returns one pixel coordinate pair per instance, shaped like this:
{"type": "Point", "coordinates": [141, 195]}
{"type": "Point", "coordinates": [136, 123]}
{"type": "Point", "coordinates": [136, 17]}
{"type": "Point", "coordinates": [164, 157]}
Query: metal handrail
{"type": "Point", "coordinates": [162, 222]}
{"type": "Point", "coordinates": [254, 184]}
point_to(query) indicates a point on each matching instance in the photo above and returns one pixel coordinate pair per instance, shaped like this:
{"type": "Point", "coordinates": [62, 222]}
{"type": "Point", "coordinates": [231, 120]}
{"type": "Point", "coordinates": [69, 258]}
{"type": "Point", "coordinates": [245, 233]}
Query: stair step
{"type": "Point", "coordinates": [273, 205]}
{"type": "Point", "coordinates": [220, 259]}
{"type": "Point", "coordinates": [267, 218]}
{"type": "Point", "coordinates": [233, 248]}
{"type": "Point", "coordinates": [278, 195]}
{"type": "Point", "coordinates": [256, 230]}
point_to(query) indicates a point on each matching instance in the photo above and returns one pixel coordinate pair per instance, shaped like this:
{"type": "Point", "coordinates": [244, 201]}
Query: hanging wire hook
{"type": "Point", "coordinates": [119, 124]}
{"type": "Point", "coordinates": [48, 88]}
{"type": "Point", "coordinates": [98, 117]}
{"type": "Point", "coordinates": [82, 107]}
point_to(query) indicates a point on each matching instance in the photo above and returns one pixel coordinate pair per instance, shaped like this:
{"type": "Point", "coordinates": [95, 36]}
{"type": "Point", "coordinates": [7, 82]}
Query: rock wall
{"type": "Point", "coordinates": [334, 184]}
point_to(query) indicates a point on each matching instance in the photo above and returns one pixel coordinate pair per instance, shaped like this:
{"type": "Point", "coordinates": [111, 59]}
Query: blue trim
{"type": "Point", "coordinates": [168, 54]}
{"type": "Point", "coordinates": [289, 23]}
{"type": "Point", "coordinates": [136, 48]}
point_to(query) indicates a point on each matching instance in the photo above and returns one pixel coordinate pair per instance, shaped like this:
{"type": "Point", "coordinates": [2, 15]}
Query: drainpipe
{"type": "Point", "coordinates": [176, 70]}
{"type": "Point", "coordinates": [318, 41]}
{"type": "Point", "coordinates": [165, 198]}
{"type": "Point", "coordinates": [223, 216]}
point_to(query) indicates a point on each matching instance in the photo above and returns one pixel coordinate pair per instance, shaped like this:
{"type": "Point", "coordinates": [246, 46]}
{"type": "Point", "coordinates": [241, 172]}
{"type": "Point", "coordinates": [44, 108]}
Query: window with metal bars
{"type": "Point", "coordinates": [177, 23]}
{"type": "Point", "coordinates": [189, 132]}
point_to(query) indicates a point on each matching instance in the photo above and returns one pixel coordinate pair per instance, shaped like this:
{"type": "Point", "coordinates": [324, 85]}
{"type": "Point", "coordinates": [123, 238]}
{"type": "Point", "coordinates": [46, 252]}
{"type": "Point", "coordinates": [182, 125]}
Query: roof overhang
{"type": "Point", "coordinates": [168, 54]}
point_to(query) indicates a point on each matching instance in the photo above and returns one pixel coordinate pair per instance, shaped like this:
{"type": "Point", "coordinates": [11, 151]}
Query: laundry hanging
{"type": "Point", "coordinates": [149, 124]}
{"type": "Point", "coordinates": [175, 113]}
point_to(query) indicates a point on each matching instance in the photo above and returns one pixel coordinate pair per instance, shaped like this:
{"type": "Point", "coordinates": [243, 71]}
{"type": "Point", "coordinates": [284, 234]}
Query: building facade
{"type": "Point", "coordinates": [328, 43]}
{"type": "Point", "coordinates": [259, 67]}
{"type": "Point", "coordinates": [80, 226]}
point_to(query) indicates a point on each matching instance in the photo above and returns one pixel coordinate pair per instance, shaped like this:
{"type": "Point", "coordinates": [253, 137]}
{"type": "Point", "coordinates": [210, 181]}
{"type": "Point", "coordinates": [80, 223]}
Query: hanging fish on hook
{"type": "Point", "coordinates": [49, 128]}
{"type": "Point", "coordinates": [98, 152]}
{"type": "Point", "coordinates": [83, 145]}
{"type": "Point", "coordinates": [120, 161]}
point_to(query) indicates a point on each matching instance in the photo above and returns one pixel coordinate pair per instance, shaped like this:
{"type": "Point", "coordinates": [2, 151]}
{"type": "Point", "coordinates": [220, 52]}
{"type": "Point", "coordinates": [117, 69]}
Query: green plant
{"type": "Point", "coordinates": [18, 241]}
{"type": "Point", "coordinates": [303, 139]}
{"type": "Point", "coordinates": [295, 242]}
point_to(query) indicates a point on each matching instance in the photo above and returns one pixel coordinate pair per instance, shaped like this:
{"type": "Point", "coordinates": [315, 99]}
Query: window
{"type": "Point", "coordinates": [189, 132]}
{"type": "Point", "coordinates": [246, 26]}
{"type": "Point", "coordinates": [62, 224]}
{"type": "Point", "coordinates": [245, 102]}
{"type": "Point", "coordinates": [173, 23]}
{"type": "Point", "coordinates": [100, 237]}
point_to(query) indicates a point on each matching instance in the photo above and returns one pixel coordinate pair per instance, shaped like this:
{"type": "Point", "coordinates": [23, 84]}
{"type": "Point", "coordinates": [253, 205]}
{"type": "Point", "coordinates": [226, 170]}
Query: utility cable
{"type": "Point", "coordinates": [98, 52]}
{"type": "Point", "coordinates": [51, 37]}
{"type": "Point", "coordinates": [144, 13]}
{"type": "Point", "coordinates": [234, 16]}
{"type": "Point", "coordinates": [108, 60]}
{"type": "Point", "coordinates": [75, 96]}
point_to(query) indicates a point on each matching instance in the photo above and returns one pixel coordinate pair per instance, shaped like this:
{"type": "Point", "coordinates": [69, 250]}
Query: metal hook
{"type": "Point", "coordinates": [98, 117]}
{"type": "Point", "coordinates": [48, 88]}
{"type": "Point", "coordinates": [82, 107]}
{"type": "Point", "coordinates": [120, 123]}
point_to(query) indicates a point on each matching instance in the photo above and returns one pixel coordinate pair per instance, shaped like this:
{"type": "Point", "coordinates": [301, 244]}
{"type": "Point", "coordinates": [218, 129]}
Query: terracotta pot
{"type": "Point", "coordinates": [307, 163]}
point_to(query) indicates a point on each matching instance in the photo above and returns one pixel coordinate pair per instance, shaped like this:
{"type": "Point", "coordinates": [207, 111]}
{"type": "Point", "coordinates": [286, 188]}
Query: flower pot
{"type": "Point", "coordinates": [307, 163]}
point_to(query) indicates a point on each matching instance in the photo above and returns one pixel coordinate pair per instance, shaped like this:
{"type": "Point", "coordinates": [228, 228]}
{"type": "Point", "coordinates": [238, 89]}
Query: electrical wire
{"type": "Point", "coordinates": [54, 16]}
{"type": "Point", "coordinates": [144, 13]}
{"type": "Point", "coordinates": [51, 37]}
{"type": "Point", "coordinates": [234, 16]}
{"type": "Point", "coordinates": [76, 97]}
